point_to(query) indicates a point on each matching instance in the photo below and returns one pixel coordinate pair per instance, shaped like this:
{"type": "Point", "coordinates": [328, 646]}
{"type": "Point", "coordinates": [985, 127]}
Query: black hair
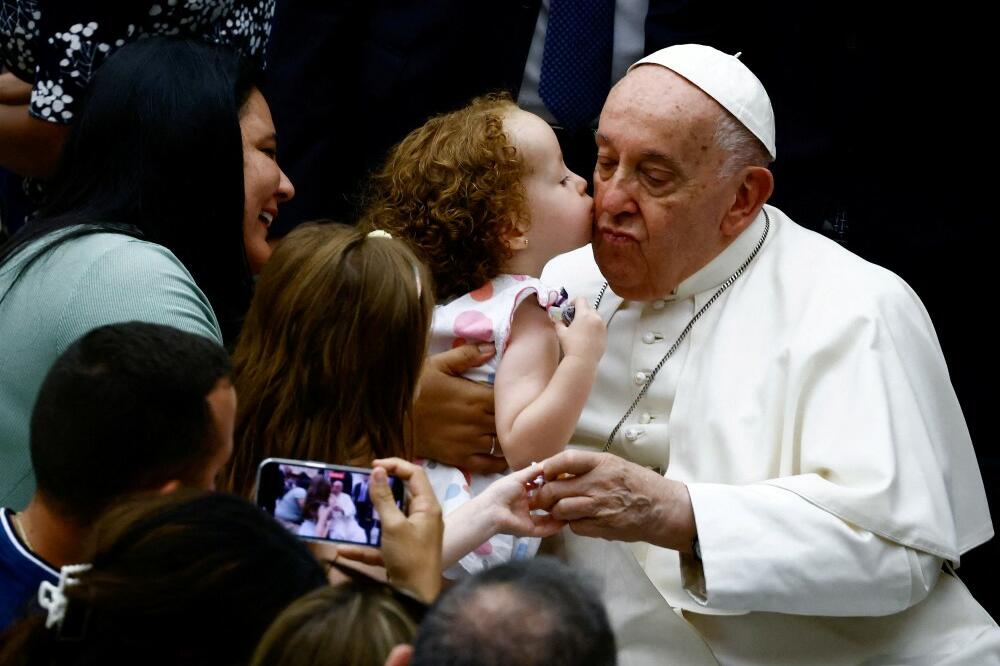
{"type": "Point", "coordinates": [124, 409]}
{"type": "Point", "coordinates": [534, 611]}
{"type": "Point", "coordinates": [188, 578]}
{"type": "Point", "coordinates": [156, 153]}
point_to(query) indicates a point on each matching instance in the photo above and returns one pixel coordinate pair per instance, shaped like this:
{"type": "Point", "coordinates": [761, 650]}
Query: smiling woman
{"type": "Point", "coordinates": [157, 212]}
{"type": "Point", "coordinates": [265, 185]}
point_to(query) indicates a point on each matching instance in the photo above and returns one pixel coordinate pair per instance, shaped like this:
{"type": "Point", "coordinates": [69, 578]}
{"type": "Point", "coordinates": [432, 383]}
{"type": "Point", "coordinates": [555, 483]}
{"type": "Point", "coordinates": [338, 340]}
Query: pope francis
{"type": "Point", "coordinates": [773, 453]}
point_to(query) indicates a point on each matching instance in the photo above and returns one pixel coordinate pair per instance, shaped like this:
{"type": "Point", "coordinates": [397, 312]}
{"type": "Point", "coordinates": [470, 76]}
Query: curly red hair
{"type": "Point", "coordinates": [452, 189]}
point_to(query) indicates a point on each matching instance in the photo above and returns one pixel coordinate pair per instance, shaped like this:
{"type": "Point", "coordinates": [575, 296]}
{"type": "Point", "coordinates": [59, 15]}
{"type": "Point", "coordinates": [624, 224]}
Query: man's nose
{"type": "Point", "coordinates": [615, 195]}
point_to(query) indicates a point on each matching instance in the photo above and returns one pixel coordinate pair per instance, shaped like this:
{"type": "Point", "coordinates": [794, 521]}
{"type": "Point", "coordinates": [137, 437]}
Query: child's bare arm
{"type": "Point", "coordinates": [539, 398]}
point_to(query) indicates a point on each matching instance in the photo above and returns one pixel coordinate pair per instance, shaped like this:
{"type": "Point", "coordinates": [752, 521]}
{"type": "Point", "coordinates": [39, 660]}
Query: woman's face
{"type": "Point", "coordinates": [265, 185]}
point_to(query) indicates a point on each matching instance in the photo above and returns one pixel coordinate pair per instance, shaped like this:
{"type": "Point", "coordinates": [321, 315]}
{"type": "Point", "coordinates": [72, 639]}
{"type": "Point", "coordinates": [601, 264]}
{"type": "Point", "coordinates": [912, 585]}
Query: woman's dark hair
{"type": "Point", "coordinates": [317, 495]}
{"type": "Point", "coordinates": [156, 153]}
{"type": "Point", "coordinates": [187, 578]}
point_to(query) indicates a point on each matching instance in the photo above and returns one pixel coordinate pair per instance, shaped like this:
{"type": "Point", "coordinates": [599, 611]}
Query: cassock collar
{"type": "Point", "coordinates": [718, 270]}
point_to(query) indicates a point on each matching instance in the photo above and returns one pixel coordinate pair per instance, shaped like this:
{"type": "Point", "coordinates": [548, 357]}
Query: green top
{"type": "Point", "coordinates": [99, 279]}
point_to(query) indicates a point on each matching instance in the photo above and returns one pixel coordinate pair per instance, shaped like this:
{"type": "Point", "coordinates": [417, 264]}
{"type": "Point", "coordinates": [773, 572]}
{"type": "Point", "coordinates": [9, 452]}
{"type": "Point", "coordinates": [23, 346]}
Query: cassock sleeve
{"type": "Point", "coordinates": [765, 548]}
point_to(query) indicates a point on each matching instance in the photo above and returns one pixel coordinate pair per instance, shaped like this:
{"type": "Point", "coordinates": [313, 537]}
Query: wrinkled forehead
{"type": "Point", "coordinates": [656, 101]}
{"type": "Point", "coordinates": [654, 94]}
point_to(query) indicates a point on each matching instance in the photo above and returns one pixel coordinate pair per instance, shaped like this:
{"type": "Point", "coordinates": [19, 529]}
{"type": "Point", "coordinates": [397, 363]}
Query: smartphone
{"type": "Point", "coordinates": [322, 502]}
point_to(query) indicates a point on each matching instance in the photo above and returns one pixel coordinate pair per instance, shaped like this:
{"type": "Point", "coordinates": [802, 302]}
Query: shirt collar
{"type": "Point", "coordinates": [718, 270]}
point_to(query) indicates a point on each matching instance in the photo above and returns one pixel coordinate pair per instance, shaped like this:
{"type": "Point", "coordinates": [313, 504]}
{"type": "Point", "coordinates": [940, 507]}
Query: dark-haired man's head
{"type": "Point", "coordinates": [528, 612]}
{"type": "Point", "coordinates": [129, 408]}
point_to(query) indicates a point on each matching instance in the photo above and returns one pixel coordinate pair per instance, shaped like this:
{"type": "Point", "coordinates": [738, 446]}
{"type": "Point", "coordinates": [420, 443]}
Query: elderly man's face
{"type": "Point", "coordinates": [658, 199]}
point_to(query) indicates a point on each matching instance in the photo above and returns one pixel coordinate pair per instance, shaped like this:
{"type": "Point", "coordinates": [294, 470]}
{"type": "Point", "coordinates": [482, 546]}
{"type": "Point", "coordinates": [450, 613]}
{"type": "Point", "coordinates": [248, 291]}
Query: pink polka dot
{"type": "Point", "coordinates": [520, 278]}
{"type": "Point", "coordinates": [473, 325]}
{"type": "Point", "coordinates": [485, 549]}
{"type": "Point", "coordinates": [484, 293]}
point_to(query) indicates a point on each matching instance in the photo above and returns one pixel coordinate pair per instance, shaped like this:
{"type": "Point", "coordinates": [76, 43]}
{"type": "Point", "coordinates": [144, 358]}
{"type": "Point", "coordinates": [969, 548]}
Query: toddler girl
{"type": "Point", "coordinates": [484, 198]}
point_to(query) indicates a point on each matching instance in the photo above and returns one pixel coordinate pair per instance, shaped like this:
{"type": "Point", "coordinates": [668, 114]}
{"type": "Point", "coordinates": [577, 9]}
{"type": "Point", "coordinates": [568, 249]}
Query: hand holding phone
{"type": "Point", "coordinates": [411, 544]}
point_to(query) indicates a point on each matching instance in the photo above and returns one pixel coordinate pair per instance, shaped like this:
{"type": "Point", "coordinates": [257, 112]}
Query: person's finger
{"type": "Point", "coordinates": [322, 550]}
{"type": "Point", "coordinates": [588, 527]}
{"type": "Point", "coordinates": [573, 508]}
{"type": "Point", "coordinates": [383, 500]}
{"type": "Point", "coordinates": [545, 525]}
{"type": "Point", "coordinates": [363, 554]}
{"type": "Point", "coordinates": [461, 359]}
{"type": "Point", "coordinates": [416, 479]}
{"type": "Point", "coordinates": [557, 489]}
{"type": "Point", "coordinates": [404, 469]}
{"type": "Point", "coordinates": [526, 475]}
{"type": "Point", "coordinates": [572, 461]}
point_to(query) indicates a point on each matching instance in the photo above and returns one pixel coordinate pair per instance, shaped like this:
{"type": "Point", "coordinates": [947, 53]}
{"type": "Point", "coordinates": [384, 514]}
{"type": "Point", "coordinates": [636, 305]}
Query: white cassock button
{"type": "Point", "coordinates": [645, 418]}
{"type": "Point", "coordinates": [659, 305]}
{"type": "Point", "coordinates": [632, 434]}
{"type": "Point", "coordinates": [649, 337]}
{"type": "Point", "coordinates": [640, 378]}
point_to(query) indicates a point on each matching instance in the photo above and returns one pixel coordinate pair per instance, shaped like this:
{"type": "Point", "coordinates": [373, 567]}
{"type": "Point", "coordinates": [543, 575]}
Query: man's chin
{"type": "Point", "coordinates": [619, 269]}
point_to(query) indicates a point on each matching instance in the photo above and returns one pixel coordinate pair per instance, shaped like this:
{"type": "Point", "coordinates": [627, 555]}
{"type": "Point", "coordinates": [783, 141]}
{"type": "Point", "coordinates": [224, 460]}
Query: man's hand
{"type": "Point", "coordinates": [454, 416]}
{"type": "Point", "coordinates": [610, 498]}
{"type": "Point", "coordinates": [411, 543]}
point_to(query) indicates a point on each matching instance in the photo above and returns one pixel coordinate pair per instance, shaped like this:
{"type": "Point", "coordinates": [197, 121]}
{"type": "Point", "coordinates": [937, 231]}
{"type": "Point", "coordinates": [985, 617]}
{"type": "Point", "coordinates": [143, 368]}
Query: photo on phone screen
{"type": "Point", "coordinates": [322, 502]}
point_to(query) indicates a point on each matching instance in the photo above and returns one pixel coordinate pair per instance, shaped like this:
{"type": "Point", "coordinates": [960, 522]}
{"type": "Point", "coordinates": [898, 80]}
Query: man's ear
{"type": "Point", "coordinates": [753, 191]}
{"type": "Point", "coordinates": [400, 655]}
{"type": "Point", "coordinates": [171, 486]}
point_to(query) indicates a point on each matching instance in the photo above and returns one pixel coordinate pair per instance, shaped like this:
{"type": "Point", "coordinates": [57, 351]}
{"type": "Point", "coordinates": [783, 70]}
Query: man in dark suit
{"type": "Point", "coordinates": [363, 505]}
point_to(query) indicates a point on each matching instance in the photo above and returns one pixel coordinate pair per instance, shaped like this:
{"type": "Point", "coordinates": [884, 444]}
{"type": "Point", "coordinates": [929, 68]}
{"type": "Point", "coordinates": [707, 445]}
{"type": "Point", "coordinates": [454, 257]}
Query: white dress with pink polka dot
{"type": "Point", "coordinates": [483, 315]}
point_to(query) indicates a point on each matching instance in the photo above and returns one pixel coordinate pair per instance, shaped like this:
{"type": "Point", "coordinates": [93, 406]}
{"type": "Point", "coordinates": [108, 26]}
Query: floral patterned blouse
{"type": "Point", "coordinates": [57, 45]}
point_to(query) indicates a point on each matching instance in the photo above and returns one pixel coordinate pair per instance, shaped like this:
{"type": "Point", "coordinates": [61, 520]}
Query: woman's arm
{"type": "Point", "coordinates": [29, 146]}
{"type": "Point", "coordinates": [538, 397]}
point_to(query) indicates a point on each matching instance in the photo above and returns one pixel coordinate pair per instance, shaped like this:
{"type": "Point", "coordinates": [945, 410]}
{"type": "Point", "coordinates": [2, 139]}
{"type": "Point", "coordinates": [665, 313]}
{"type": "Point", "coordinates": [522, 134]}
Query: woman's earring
{"type": "Point", "coordinates": [525, 242]}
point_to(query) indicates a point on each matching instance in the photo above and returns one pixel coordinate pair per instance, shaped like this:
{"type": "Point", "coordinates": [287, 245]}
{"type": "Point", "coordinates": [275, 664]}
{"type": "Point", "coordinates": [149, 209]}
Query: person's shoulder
{"type": "Point", "coordinates": [130, 279]}
{"type": "Point", "coordinates": [825, 268]}
{"type": "Point", "coordinates": [834, 288]}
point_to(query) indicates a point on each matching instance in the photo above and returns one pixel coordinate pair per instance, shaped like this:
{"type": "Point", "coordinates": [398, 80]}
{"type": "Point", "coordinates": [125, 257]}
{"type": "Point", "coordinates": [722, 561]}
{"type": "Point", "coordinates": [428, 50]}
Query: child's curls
{"type": "Point", "coordinates": [453, 190]}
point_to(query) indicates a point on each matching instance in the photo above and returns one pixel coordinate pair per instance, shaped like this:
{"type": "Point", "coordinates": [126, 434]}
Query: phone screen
{"type": "Point", "coordinates": [322, 502]}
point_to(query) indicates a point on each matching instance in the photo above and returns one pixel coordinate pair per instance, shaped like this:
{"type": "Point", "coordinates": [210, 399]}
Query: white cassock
{"type": "Point", "coordinates": [343, 524]}
{"type": "Point", "coordinates": [811, 415]}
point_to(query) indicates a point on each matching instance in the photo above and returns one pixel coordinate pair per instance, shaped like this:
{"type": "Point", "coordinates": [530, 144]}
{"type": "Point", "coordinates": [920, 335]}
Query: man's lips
{"type": "Point", "coordinates": [611, 235]}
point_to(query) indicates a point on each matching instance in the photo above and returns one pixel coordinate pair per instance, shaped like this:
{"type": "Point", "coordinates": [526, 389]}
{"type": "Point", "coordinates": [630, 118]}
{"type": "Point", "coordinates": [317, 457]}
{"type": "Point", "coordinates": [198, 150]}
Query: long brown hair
{"type": "Point", "coordinates": [452, 188]}
{"type": "Point", "coordinates": [185, 578]}
{"type": "Point", "coordinates": [330, 353]}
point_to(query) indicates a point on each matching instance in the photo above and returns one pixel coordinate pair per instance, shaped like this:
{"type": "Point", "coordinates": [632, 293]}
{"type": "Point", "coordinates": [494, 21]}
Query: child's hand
{"type": "Point", "coordinates": [587, 336]}
{"type": "Point", "coordinates": [507, 500]}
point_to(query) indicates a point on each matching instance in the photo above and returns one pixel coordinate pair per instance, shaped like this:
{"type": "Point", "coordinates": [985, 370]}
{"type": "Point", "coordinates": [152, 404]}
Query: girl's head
{"type": "Point", "coordinates": [189, 577]}
{"type": "Point", "coordinates": [328, 359]}
{"type": "Point", "coordinates": [481, 191]}
{"type": "Point", "coordinates": [174, 143]}
{"type": "Point", "coordinates": [354, 624]}
{"type": "Point", "coordinates": [317, 495]}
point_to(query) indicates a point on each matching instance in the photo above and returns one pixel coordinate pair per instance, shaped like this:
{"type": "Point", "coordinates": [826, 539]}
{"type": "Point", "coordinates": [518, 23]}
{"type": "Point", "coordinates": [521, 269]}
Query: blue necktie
{"type": "Point", "coordinates": [576, 64]}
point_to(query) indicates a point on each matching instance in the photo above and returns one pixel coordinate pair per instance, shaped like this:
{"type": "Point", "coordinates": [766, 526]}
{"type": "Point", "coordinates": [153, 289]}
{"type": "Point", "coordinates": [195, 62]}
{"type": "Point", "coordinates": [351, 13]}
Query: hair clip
{"type": "Point", "coordinates": [379, 233]}
{"type": "Point", "coordinates": [53, 597]}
